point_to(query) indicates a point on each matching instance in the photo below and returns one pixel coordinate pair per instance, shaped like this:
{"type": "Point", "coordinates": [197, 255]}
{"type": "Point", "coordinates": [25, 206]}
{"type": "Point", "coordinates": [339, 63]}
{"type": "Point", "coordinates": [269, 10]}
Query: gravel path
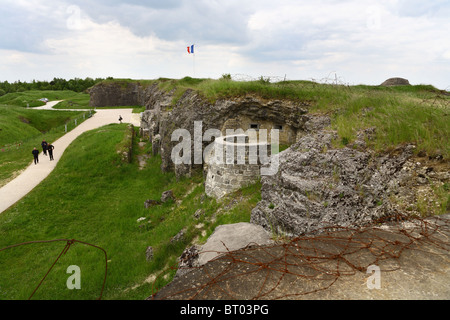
{"type": "Point", "coordinates": [34, 174]}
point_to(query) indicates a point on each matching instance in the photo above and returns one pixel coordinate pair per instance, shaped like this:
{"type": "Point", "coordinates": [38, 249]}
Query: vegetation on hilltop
{"type": "Point", "coordinates": [57, 84]}
{"type": "Point", "coordinates": [31, 98]}
{"type": "Point", "coordinates": [416, 114]}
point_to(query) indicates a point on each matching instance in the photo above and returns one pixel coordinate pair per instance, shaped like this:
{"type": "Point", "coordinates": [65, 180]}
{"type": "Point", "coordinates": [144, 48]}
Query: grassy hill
{"type": "Point", "coordinates": [93, 197]}
{"type": "Point", "coordinates": [31, 98]}
{"type": "Point", "coordinates": [416, 114]}
{"type": "Point", "coordinates": [402, 114]}
{"type": "Point", "coordinates": [21, 129]}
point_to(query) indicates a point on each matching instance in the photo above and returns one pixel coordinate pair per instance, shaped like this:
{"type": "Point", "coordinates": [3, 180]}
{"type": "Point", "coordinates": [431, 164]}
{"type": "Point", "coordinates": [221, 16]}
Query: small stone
{"type": "Point", "coordinates": [149, 253]}
{"type": "Point", "coordinates": [166, 196]}
{"type": "Point", "coordinates": [150, 203]}
{"type": "Point", "coordinates": [198, 213]}
{"type": "Point", "coordinates": [179, 236]}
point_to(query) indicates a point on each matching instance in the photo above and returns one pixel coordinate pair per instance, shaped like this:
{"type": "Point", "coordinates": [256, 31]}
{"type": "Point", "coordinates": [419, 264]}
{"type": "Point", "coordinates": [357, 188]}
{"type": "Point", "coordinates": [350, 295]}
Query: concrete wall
{"type": "Point", "coordinates": [287, 135]}
{"type": "Point", "coordinates": [232, 166]}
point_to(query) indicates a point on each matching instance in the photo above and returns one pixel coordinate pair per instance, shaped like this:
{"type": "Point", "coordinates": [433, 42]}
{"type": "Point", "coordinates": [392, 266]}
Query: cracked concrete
{"type": "Point", "coordinates": [396, 261]}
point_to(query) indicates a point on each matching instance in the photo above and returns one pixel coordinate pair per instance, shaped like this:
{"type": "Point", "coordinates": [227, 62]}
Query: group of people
{"type": "Point", "coordinates": [46, 147]}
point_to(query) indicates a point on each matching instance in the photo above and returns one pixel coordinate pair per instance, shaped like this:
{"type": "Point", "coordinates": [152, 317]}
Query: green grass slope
{"type": "Point", "coordinates": [93, 197]}
{"type": "Point", "coordinates": [21, 129]}
{"type": "Point", "coordinates": [416, 114]}
{"type": "Point", "coordinates": [31, 98]}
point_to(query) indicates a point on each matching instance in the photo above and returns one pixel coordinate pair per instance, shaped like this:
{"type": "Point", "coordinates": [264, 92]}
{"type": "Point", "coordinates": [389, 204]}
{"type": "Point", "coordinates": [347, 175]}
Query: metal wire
{"type": "Point", "coordinates": [69, 243]}
{"type": "Point", "coordinates": [323, 258]}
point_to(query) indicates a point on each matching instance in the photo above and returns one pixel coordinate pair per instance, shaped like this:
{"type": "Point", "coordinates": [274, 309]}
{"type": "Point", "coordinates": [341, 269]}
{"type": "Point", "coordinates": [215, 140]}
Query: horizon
{"type": "Point", "coordinates": [334, 81]}
{"type": "Point", "coordinates": [360, 42]}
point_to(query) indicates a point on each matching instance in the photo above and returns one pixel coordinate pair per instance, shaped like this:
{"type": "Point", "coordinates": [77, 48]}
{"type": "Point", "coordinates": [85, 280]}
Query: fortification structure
{"type": "Point", "coordinates": [164, 115]}
{"type": "Point", "coordinates": [235, 161]}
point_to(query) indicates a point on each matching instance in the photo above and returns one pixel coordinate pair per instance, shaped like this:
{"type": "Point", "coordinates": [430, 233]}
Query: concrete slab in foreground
{"type": "Point", "coordinates": [402, 261]}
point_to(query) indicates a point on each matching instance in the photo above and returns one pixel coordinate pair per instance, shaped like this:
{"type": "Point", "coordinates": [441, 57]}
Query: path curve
{"type": "Point", "coordinates": [49, 106]}
{"type": "Point", "coordinates": [35, 174]}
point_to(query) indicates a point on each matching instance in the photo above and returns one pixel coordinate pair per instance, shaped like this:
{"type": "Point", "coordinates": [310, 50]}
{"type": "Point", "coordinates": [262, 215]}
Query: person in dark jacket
{"type": "Point", "coordinates": [44, 145]}
{"type": "Point", "coordinates": [50, 148]}
{"type": "Point", "coordinates": [35, 153]}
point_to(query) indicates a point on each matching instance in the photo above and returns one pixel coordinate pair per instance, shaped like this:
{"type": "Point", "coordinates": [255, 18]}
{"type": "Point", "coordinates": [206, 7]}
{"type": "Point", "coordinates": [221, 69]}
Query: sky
{"type": "Point", "coordinates": [351, 42]}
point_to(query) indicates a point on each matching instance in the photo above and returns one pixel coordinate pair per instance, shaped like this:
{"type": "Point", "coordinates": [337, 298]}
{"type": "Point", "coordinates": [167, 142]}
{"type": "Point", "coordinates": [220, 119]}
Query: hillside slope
{"type": "Point", "coordinates": [361, 155]}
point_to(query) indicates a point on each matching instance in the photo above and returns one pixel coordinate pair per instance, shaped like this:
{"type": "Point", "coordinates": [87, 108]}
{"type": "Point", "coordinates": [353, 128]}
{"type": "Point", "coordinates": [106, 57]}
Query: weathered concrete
{"type": "Point", "coordinates": [225, 238]}
{"type": "Point", "coordinates": [318, 185]}
{"type": "Point", "coordinates": [395, 82]}
{"type": "Point", "coordinates": [233, 237]}
{"type": "Point", "coordinates": [234, 163]}
{"type": "Point", "coordinates": [412, 257]}
{"type": "Point", "coordinates": [118, 93]}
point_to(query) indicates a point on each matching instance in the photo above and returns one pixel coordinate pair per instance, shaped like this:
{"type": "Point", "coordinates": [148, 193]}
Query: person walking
{"type": "Point", "coordinates": [50, 148]}
{"type": "Point", "coordinates": [44, 145]}
{"type": "Point", "coordinates": [120, 118]}
{"type": "Point", "coordinates": [35, 153]}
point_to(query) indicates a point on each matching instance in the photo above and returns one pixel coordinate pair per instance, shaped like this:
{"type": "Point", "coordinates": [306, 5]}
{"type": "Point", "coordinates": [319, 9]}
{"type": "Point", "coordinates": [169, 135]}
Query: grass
{"type": "Point", "coordinates": [30, 98]}
{"type": "Point", "coordinates": [402, 114]}
{"type": "Point", "coordinates": [21, 129]}
{"type": "Point", "coordinates": [398, 119]}
{"type": "Point", "coordinates": [78, 101]}
{"type": "Point", "coordinates": [97, 198]}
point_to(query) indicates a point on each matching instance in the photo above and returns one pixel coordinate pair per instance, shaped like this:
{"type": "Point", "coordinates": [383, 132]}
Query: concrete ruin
{"type": "Point", "coordinates": [233, 164]}
{"type": "Point", "coordinates": [317, 184]}
{"type": "Point", "coordinates": [161, 118]}
{"type": "Point", "coordinates": [395, 82]}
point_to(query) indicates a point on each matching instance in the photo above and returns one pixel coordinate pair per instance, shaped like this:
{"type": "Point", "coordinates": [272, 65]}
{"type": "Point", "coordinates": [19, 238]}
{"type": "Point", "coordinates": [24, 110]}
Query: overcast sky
{"type": "Point", "coordinates": [357, 41]}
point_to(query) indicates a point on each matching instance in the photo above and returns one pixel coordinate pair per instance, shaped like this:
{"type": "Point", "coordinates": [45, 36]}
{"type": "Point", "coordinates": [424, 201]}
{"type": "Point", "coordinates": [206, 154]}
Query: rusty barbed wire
{"type": "Point", "coordinates": [69, 243]}
{"type": "Point", "coordinates": [322, 258]}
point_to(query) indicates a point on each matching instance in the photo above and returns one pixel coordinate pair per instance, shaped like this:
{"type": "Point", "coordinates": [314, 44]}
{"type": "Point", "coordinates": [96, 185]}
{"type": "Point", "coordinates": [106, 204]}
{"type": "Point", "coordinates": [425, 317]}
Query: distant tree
{"type": "Point", "coordinates": [76, 84]}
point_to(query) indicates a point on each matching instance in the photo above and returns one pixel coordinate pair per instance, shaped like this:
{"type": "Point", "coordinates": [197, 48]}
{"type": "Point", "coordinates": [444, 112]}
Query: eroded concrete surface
{"type": "Point", "coordinates": [396, 260]}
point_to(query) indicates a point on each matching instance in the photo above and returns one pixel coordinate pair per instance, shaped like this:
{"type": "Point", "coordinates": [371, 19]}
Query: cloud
{"type": "Point", "coordinates": [206, 20]}
{"type": "Point", "coordinates": [362, 41]}
{"type": "Point", "coordinates": [344, 36]}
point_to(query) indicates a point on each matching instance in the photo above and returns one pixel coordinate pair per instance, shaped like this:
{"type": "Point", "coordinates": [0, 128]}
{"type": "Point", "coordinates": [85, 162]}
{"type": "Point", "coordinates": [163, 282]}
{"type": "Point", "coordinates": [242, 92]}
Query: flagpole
{"type": "Point", "coordinates": [191, 50]}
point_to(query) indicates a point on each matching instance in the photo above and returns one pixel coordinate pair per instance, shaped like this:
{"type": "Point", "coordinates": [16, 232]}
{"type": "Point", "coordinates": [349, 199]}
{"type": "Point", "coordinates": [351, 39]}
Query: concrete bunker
{"type": "Point", "coordinates": [287, 133]}
{"type": "Point", "coordinates": [235, 161]}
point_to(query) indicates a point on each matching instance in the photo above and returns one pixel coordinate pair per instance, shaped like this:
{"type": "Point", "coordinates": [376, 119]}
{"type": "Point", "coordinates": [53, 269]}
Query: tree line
{"type": "Point", "coordinates": [77, 85]}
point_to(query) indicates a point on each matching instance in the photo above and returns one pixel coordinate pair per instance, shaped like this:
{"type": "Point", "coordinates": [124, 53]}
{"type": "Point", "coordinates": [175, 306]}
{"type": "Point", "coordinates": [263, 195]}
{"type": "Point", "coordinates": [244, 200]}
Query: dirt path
{"type": "Point", "coordinates": [34, 174]}
{"type": "Point", "coordinates": [49, 106]}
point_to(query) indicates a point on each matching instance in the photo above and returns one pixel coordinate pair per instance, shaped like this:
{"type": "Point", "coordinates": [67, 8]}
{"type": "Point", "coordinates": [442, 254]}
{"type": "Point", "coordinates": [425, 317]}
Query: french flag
{"type": "Point", "coordinates": [190, 49]}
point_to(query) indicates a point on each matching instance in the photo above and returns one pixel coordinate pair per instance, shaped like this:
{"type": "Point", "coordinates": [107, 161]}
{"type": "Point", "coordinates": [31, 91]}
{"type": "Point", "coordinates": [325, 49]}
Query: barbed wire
{"type": "Point", "coordinates": [316, 260]}
{"type": "Point", "coordinates": [69, 243]}
{"type": "Point", "coordinates": [247, 78]}
{"type": "Point", "coordinates": [331, 78]}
